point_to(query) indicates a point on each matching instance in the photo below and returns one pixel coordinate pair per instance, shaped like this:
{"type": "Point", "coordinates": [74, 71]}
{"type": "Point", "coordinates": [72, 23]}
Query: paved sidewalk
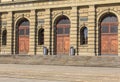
{"type": "Point", "coordinates": [2, 79]}
{"type": "Point", "coordinates": [47, 73]}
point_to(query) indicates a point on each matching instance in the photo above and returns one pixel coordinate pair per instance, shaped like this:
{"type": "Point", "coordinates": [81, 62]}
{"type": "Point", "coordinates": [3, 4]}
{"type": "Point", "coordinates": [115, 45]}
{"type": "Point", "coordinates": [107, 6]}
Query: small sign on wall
{"type": "Point", "coordinates": [4, 23]}
{"type": "Point", "coordinates": [40, 21]}
{"type": "Point", "coordinates": [83, 18]}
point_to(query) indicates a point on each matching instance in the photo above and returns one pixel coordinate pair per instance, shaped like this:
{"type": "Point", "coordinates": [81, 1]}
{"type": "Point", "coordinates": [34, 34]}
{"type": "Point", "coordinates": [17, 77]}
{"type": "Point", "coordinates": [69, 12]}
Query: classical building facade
{"type": "Point", "coordinates": [90, 27]}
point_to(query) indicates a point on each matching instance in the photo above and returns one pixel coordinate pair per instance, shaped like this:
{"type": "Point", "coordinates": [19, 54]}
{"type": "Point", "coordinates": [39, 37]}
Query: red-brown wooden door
{"type": "Point", "coordinates": [67, 44]}
{"type": "Point", "coordinates": [63, 40]}
{"type": "Point", "coordinates": [23, 39]}
{"type": "Point", "coordinates": [109, 36]}
{"type": "Point", "coordinates": [62, 35]}
{"type": "Point", "coordinates": [63, 44]}
{"type": "Point", "coordinates": [109, 44]}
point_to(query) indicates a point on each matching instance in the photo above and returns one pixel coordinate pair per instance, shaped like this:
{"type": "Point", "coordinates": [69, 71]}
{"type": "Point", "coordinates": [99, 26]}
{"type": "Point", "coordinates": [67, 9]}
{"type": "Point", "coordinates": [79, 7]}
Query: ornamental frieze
{"type": "Point", "coordinates": [21, 15]}
{"type": "Point", "coordinates": [107, 9]}
{"type": "Point", "coordinates": [40, 13]}
{"type": "Point", "coordinates": [57, 13]}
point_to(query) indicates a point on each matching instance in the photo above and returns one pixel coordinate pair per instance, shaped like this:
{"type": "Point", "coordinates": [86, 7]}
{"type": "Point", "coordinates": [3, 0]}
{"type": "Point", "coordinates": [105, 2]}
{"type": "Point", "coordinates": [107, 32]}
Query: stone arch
{"type": "Point", "coordinates": [108, 33]}
{"type": "Point", "coordinates": [22, 36]}
{"type": "Point", "coordinates": [20, 18]}
{"type": "Point", "coordinates": [102, 13]}
{"type": "Point", "coordinates": [62, 35]}
{"type": "Point", "coordinates": [60, 15]}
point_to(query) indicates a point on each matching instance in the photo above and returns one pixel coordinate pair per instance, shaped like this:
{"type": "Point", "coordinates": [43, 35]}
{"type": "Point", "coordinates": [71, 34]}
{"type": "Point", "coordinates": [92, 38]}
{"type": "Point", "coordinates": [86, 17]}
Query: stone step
{"type": "Point", "coordinates": [89, 61]}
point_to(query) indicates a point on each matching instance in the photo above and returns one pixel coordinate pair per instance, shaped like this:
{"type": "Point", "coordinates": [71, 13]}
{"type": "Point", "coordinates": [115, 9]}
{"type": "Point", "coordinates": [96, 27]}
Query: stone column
{"type": "Point", "coordinates": [73, 29]}
{"type": "Point", "coordinates": [91, 31]}
{"type": "Point", "coordinates": [10, 29]}
{"type": "Point", "coordinates": [47, 27]}
{"type": "Point", "coordinates": [32, 32]}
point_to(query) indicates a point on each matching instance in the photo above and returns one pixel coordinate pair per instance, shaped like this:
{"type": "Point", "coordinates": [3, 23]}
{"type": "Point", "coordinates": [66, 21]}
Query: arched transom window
{"type": "Point", "coordinates": [109, 24]}
{"type": "Point", "coordinates": [63, 26]}
{"type": "Point", "coordinates": [24, 28]}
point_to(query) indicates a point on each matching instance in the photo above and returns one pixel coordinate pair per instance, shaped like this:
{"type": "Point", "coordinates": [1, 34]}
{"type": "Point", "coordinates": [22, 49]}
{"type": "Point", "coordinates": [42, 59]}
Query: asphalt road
{"type": "Point", "coordinates": [47, 73]}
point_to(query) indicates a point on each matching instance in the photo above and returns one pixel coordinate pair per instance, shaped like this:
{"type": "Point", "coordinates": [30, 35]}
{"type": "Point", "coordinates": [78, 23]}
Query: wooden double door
{"type": "Point", "coordinates": [109, 35]}
{"type": "Point", "coordinates": [63, 43]}
{"type": "Point", "coordinates": [109, 39]}
{"type": "Point", "coordinates": [23, 39]}
{"type": "Point", "coordinates": [109, 44]}
{"type": "Point", "coordinates": [63, 39]}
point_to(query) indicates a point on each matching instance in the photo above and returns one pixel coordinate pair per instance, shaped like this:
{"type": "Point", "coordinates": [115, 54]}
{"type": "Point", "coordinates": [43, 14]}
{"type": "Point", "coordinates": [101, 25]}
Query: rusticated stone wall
{"type": "Point", "coordinates": [49, 11]}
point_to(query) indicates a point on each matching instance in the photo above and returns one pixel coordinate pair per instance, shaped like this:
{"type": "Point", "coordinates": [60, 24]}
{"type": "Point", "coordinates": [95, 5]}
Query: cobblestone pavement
{"type": "Point", "coordinates": [47, 73]}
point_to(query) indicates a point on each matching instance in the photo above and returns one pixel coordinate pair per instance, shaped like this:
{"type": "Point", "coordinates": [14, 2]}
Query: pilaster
{"type": "Point", "coordinates": [73, 29]}
{"type": "Point", "coordinates": [10, 29]}
{"type": "Point", "coordinates": [32, 32]}
{"type": "Point", "coordinates": [47, 30]}
{"type": "Point", "coordinates": [91, 31]}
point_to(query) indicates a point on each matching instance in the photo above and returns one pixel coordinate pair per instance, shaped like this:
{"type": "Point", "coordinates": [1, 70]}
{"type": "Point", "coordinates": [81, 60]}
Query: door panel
{"type": "Point", "coordinates": [114, 45]}
{"type": "Point", "coordinates": [63, 44]}
{"type": "Point", "coordinates": [66, 45]}
{"type": "Point", "coordinates": [26, 44]}
{"type": "Point", "coordinates": [109, 44]}
{"type": "Point", "coordinates": [59, 45]}
{"type": "Point", "coordinates": [23, 39]}
{"type": "Point", "coordinates": [105, 44]}
{"type": "Point", "coordinates": [21, 45]}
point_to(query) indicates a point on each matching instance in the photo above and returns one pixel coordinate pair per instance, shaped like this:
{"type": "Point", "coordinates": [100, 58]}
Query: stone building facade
{"type": "Point", "coordinates": [90, 27]}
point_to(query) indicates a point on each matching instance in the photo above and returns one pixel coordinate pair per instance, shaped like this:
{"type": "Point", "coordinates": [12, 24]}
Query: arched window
{"type": "Point", "coordinates": [108, 34]}
{"type": "Point", "coordinates": [83, 36]}
{"type": "Point", "coordinates": [24, 22]}
{"type": "Point", "coordinates": [41, 36]}
{"type": "Point", "coordinates": [109, 24]}
{"type": "Point", "coordinates": [4, 37]}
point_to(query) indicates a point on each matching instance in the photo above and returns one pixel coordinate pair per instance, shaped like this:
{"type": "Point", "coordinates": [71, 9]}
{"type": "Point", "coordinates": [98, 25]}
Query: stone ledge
{"type": "Point", "coordinates": [88, 61]}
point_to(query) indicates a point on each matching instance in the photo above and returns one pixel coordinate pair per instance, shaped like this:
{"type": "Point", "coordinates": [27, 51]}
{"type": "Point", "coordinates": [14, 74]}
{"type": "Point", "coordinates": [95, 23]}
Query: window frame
{"type": "Point", "coordinates": [41, 39]}
{"type": "Point", "coordinates": [83, 40]}
{"type": "Point", "coordinates": [4, 40]}
{"type": "Point", "coordinates": [109, 21]}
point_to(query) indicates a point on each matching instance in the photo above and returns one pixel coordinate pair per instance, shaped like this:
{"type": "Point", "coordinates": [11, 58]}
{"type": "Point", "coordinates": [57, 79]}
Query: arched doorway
{"type": "Point", "coordinates": [109, 34]}
{"type": "Point", "coordinates": [62, 33]}
{"type": "Point", "coordinates": [22, 35]}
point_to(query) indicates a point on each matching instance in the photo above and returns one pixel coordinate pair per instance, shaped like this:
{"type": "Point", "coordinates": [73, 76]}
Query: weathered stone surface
{"type": "Point", "coordinates": [47, 73]}
{"type": "Point", "coordinates": [92, 61]}
{"type": "Point", "coordinates": [81, 13]}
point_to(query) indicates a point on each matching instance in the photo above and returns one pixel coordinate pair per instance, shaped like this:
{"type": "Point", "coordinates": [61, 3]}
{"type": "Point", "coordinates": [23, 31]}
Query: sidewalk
{"type": "Point", "coordinates": [60, 73]}
{"type": "Point", "coordinates": [2, 79]}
